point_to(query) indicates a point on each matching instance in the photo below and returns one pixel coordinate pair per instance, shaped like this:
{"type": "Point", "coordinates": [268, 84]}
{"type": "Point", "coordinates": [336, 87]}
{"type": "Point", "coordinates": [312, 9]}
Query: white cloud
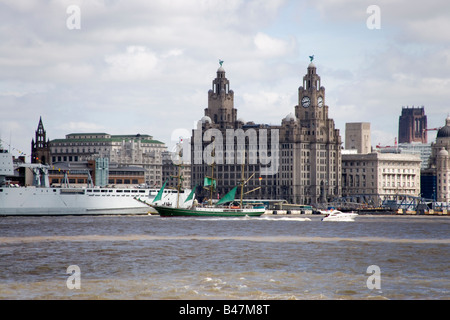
{"type": "Point", "coordinates": [146, 66]}
{"type": "Point", "coordinates": [265, 106]}
{"type": "Point", "coordinates": [137, 63]}
{"type": "Point", "coordinates": [430, 30]}
{"type": "Point", "coordinates": [80, 126]}
{"type": "Point", "coordinates": [20, 89]}
{"type": "Point", "coordinates": [271, 47]}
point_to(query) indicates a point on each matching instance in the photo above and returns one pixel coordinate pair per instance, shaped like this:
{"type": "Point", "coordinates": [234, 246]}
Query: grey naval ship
{"type": "Point", "coordinates": [43, 199]}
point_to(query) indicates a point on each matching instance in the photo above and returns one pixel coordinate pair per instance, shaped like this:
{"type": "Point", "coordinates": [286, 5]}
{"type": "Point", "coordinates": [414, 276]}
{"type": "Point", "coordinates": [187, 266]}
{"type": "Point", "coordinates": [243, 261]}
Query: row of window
{"type": "Point", "coordinates": [84, 181]}
{"type": "Point", "coordinates": [385, 170]}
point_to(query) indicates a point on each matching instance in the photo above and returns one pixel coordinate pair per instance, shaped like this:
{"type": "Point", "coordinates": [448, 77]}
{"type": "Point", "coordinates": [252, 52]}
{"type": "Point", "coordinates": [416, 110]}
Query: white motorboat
{"type": "Point", "coordinates": [336, 215]}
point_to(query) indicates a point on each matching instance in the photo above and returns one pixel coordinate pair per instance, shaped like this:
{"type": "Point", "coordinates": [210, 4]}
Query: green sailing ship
{"type": "Point", "coordinates": [227, 206]}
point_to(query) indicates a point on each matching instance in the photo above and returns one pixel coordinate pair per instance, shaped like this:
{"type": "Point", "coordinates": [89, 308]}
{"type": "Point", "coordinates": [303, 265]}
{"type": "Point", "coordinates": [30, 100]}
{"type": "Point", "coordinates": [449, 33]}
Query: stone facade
{"type": "Point", "coordinates": [357, 137]}
{"type": "Point", "coordinates": [124, 150]}
{"type": "Point", "coordinates": [298, 161]}
{"type": "Point", "coordinates": [381, 175]}
{"type": "Point", "coordinates": [440, 162]}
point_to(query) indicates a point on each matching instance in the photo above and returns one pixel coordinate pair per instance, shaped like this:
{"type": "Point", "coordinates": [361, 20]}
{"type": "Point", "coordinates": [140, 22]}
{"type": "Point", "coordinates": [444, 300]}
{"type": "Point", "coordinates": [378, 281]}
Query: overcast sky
{"type": "Point", "coordinates": [145, 66]}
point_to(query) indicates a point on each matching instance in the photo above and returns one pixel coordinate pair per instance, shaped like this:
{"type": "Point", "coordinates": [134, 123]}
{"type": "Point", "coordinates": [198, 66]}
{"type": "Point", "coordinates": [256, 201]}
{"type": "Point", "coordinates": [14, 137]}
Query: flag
{"type": "Point", "coordinates": [209, 181]}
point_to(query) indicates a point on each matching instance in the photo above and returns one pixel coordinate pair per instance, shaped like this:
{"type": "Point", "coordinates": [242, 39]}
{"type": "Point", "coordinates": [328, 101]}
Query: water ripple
{"type": "Point", "coordinates": [140, 237]}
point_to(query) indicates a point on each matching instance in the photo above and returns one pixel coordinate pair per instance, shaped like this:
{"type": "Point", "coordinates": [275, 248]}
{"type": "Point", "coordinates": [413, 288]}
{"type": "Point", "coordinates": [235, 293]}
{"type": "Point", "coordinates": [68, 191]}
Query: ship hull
{"type": "Point", "coordinates": [207, 212]}
{"type": "Point", "coordinates": [76, 201]}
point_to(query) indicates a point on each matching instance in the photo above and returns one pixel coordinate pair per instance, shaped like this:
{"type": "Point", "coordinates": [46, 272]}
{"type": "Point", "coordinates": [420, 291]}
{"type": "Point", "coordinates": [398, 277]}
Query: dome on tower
{"type": "Point", "coordinates": [290, 117]}
{"type": "Point", "coordinates": [443, 153]}
{"type": "Point", "coordinates": [206, 119]}
{"type": "Point", "coordinates": [444, 132]}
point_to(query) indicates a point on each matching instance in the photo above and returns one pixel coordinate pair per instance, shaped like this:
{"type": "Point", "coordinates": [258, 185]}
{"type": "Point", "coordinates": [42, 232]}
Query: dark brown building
{"type": "Point", "coordinates": [412, 125]}
{"type": "Point", "coordinates": [40, 150]}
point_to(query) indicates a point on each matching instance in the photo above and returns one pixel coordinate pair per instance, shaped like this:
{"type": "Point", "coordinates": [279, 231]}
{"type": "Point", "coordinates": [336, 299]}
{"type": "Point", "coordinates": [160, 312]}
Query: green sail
{"type": "Point", "coordinates": [191, 195]}
{"type": "Point", "coordinates": [160, 192]}
{"type": "Point", "coordinates": [228, 197]}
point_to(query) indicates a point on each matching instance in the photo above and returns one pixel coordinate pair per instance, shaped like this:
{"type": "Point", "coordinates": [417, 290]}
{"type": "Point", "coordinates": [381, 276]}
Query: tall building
{"type": "Point", "coordinates": [412, 125]}
{"type": "Point", "coordinates": [316, 143]}
{"type": "Point", "coordinates": [357, 136]}
{"type": "Point", "coordinates": [40, 145]}
{"type": "Point", "coordinates": [298, 161]}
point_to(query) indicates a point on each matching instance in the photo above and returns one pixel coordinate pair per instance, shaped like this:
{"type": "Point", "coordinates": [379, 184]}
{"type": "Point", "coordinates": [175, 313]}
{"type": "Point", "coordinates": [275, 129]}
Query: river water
{"type": "Point", "coordinates": [270, 257]}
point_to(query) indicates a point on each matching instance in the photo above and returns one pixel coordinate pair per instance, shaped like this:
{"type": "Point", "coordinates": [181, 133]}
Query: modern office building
{"type": "Point", "coordinates": [421, 149]}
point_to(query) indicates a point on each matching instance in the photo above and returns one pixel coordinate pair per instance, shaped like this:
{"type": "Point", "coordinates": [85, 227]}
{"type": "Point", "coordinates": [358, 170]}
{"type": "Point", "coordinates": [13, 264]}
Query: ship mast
{"type": "Point", "coordinates": [178, 184]}
{"type": "Point", "coordinates": [211, 179]}
{"type": "Point", "coordinates": [211, 188]}
{"type": "Point", "coordinates": [178, 176]}
{"type": "Point", "coordinates": [244, 182]}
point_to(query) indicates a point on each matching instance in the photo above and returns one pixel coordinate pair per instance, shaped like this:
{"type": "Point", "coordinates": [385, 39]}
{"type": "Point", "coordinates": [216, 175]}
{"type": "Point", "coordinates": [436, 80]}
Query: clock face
{"type": "Point", "coordinates": [320, 102]}
{"type": "Point", "coordinates": [306, 101]}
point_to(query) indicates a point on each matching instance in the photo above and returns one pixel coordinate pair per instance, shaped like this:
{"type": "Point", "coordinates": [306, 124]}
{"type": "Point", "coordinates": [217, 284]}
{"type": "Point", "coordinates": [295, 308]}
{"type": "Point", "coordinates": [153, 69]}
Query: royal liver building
{"type": "Point", "coordinates": [298, 161]}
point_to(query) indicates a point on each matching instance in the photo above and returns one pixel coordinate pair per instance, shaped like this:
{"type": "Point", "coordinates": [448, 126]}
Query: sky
{"type": "Point", "coordinates": [140, 66]}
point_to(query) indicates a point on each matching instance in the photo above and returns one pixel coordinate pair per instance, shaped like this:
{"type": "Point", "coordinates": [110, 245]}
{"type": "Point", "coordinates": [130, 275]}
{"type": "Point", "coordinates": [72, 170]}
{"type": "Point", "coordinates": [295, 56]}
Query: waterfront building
{"type": "Point", "coordinates": [381, 175]}
{"type": "Point", "coordinates": [439, 163]}
{"type": "Point", "coordinates": [357, 136]}
{"type": "Point", "coordinates": [412, 125]}
{"type": "Point", "coordinates": [298, 161]}
{"type": "Point", "coordinates": [121, 150]}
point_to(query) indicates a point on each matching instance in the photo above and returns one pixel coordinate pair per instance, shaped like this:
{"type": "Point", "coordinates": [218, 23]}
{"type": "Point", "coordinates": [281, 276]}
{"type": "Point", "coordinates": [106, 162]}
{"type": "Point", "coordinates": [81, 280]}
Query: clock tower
{"type": "Point", "coordinates": [318, 144]}
{"type": "Point", "coordinates": [311, 98]}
